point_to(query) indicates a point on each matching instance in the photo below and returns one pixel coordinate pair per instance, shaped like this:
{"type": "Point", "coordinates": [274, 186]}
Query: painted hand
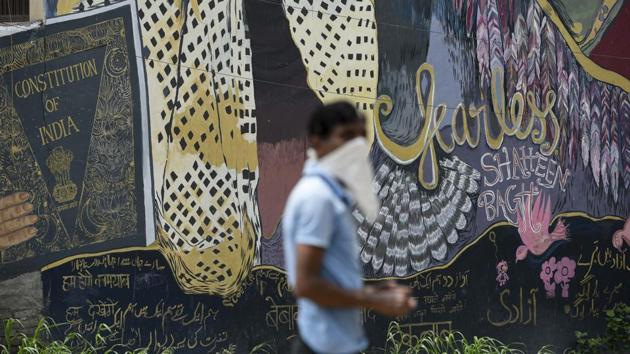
{"type": "Point", "coordinates": [16, 221]}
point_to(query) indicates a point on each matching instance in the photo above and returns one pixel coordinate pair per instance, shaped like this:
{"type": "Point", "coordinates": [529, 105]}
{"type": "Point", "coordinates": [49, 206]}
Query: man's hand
{"type": "Point", "coordinates": [390, 299]}
{"type": "Point", "coordinates": [16, 221]}
{"type": "Point", "coordinates": [386, 298]}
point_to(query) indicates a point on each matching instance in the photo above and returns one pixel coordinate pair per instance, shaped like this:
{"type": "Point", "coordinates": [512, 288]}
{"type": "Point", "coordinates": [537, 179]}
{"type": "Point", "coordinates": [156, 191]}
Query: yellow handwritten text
{"type": "Point", "coordinates": [522, 312]}
{"type": "Point", "coordinates": [58, 130]}
{"type": "Point", "coordinates": [55, 78]}
{"type": "Point", "coordinates": [508, 119]}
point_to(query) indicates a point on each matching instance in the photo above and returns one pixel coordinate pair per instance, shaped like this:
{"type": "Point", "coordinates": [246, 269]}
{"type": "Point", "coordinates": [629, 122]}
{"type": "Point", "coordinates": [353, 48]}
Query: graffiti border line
{"type": "Point", "coordinates": [155, 247]}
{"type": "Point", "coordinates": [490, 229]}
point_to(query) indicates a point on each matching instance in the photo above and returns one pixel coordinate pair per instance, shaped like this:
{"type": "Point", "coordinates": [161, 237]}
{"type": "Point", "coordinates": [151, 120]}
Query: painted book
{"type": "Point", "coordinates": [71, 134]}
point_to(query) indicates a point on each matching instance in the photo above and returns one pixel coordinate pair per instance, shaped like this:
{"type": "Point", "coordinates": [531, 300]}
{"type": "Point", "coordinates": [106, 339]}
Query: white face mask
{"type": "Point", "coordinates": [350, 163]}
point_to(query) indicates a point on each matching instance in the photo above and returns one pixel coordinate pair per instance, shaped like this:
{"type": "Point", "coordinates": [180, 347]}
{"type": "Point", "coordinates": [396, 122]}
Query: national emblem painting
{"type": "Point", "coordinates": [71, 135]}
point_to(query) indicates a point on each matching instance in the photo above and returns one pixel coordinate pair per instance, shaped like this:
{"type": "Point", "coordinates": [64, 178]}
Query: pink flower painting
{"type": "Point", "coordinates": [554, 273]}
{"type": "Point", "coordinates": [546, 275]}
{"type": "Point", "coordinates": [565, 271]}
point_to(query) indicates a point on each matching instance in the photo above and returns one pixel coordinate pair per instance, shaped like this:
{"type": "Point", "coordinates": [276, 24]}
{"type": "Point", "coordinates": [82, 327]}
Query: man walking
{"type": "Point", "coordinates": [320, 242]}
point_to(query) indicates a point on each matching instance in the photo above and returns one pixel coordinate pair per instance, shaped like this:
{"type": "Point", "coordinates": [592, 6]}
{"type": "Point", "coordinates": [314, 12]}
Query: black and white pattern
{"type": "Point", "coordinates": [416, 227]}
{"type": "Point", "coordinates": [203, 118]}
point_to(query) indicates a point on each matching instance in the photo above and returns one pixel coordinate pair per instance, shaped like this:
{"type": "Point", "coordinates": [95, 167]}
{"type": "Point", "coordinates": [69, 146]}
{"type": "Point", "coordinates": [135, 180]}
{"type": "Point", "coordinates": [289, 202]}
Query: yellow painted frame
{"type": "Point", "coordinates": [589, 65]}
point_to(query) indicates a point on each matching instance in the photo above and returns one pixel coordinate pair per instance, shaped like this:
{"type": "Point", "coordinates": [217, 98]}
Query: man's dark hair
{"type": "Point", "coordinates": [325, 118]}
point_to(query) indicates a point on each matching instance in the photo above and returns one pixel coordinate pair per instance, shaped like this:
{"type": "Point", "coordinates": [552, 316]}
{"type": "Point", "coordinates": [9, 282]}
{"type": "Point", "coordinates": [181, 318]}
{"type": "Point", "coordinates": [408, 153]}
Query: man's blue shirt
{"type": "Point", "coordinates": [318, 214]}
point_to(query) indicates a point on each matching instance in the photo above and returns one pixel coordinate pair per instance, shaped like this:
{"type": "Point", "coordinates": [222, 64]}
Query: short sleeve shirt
{"type": "Point", "coordinates": [318, 214]}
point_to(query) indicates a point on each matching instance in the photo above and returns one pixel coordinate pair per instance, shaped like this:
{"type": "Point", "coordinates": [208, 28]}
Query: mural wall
{"type": "Point", "coordinates": [501, 155]}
